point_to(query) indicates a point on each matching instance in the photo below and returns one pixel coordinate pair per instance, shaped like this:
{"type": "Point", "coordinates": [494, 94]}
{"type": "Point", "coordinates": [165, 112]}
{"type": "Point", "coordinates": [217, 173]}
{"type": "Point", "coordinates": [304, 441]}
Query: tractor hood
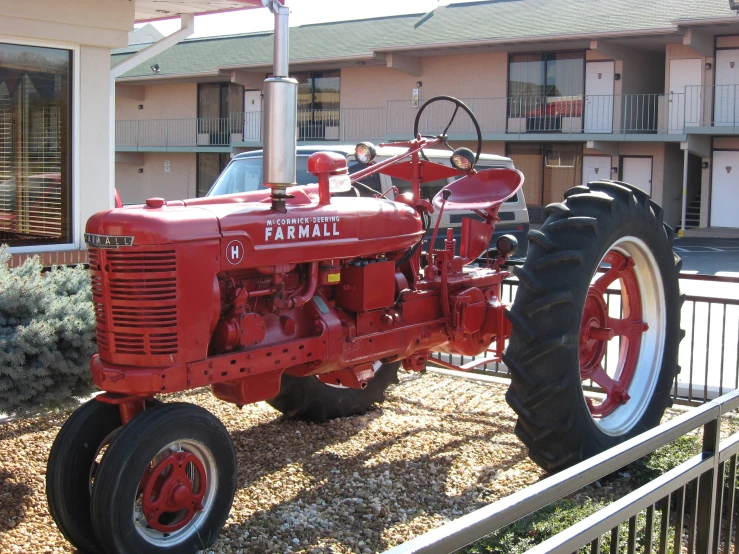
{"type": "Point", "coordinates": [247, 224]}
{"type": "Point", "coordinates": [151, 224]}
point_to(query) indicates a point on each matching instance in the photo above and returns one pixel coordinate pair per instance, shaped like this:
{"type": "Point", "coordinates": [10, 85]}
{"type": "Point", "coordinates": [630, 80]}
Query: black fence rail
{"type": "Point", "coordinates": [709, 353]}
{"type": "Point", "coordinates": [690, 509]}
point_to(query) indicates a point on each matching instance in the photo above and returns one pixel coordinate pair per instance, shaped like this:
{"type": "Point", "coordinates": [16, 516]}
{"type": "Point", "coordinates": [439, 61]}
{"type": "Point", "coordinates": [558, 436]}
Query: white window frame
{"type": "Point", "coordinates": [75, 81]}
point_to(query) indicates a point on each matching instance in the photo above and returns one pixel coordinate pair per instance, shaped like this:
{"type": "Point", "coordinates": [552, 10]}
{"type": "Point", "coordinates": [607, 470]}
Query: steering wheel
{"type": "Point", "coordinates": [444, 136]}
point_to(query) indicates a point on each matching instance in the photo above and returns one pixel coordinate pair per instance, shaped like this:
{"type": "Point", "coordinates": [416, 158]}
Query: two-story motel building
{"type": "Point", "coordinates": [572, 90]}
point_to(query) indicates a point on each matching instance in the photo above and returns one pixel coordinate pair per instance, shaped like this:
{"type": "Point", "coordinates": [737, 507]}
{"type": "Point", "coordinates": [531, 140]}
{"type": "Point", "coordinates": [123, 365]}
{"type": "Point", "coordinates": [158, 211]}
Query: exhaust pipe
{"type": "Point", "coordinates": [281, 114]}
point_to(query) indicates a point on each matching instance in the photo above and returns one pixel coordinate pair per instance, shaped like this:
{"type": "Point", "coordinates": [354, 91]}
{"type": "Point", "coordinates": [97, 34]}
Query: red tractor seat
{"type": "Point", "coordinates": [482, 190]}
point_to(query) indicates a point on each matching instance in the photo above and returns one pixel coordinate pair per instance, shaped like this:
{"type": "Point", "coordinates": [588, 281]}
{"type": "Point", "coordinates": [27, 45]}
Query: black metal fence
{"type": "Point", "coordinates": [695, 503]}
{"type": "Point", "coordinates": [709, 353]}
{"type": "Point", "coordinates": [690, 509]}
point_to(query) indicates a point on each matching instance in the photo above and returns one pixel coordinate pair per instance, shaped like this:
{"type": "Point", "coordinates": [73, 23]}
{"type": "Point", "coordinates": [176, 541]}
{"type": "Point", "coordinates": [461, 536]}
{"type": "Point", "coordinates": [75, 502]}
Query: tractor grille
{"type": "Point", "coordinates": [135, 299]}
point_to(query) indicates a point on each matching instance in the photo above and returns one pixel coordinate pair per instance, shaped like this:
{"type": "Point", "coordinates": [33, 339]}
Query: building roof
{"type": "Point", "coordinates": [150, 10]}
{"type": "Point", "coordinates": [455, 24]}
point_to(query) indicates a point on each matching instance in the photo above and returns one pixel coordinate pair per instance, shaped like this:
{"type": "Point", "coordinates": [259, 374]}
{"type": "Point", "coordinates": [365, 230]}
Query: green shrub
{"type": "Point", "coordinates": [47, 335]}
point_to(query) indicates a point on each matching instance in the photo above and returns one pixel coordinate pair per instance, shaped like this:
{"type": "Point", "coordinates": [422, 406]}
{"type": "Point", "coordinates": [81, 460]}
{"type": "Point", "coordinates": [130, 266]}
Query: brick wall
{"type": "Point", "coordinates": [72, 257]}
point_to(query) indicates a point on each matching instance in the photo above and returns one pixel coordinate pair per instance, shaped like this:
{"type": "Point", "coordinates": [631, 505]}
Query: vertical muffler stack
{"type": "Point", "coordinates": [281, 114]}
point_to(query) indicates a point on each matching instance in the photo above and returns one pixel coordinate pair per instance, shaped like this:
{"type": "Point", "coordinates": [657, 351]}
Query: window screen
{"type": "Point", "coordinates": [35, 178]}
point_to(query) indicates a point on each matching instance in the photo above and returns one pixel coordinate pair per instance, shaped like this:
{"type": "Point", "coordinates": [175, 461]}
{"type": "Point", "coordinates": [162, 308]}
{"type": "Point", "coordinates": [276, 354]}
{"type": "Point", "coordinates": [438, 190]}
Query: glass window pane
{"type": "Point", "coordinates": [428, 190]}
{"type": "Point", "coordinates": [565, 74]}
{"type": "Point", "coordinates": [326, 93]}
{"type": "Point", "coordinates": [305, 90]}
{"type": "Point", "coordinates": [526, 77]}
{"type": "Point", "coordinates": [35, 111]}
{"type": "Point", "coordinates": [210, 166]}
{"type": "Point", "coordinates": [243, 175]}
{"type": "Point", "coordinates": [372, 181]}
{"type": "Point", "coordinates": [209, 100]}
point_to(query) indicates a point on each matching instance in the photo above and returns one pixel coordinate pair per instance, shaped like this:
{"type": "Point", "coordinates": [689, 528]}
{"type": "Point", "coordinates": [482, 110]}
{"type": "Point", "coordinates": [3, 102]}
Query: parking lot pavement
{"type": "Point", "coordinates": [709, 256]}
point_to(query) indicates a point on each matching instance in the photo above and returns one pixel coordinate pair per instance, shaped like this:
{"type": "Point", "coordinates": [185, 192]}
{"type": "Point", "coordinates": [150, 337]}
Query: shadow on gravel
{"type": "Point", "coordinates": [269, 439]}
{"type": "Point", "coordinates": [353, 500]}
{"type": "Point", "coordinates": [13, 492]}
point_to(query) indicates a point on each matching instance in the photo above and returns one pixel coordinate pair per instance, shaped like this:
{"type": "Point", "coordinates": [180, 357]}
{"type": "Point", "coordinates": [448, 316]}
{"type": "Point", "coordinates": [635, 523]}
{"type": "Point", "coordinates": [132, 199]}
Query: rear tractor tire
{"type": "Point", "coordinates": [307, 398]}
{"type": "Point", "coordinates": [566, 333]}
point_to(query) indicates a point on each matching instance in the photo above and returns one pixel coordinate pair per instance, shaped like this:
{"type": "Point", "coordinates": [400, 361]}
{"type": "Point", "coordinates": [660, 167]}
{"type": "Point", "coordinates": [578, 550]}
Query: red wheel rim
{"type": "Point", "coordinates": [173, 492]}
{"type": "Point", "coordinates": [598, 329]}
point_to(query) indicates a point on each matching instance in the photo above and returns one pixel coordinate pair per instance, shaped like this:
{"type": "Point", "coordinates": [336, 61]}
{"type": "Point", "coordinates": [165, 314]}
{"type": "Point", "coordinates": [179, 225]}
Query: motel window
{"type": "Point", "coordinates": [220, 107]}
{"type": "Point", "coordinates": [219, 100]}
{"type": "Point", "coordinates": [209, 167]}
{"type": "Point", "coordinates": [318, 90]}
{"type": "Point", "coordinates": [537, 80]}
{"type": "Point", "coordinates": [35, 145]}
{"type": "Point", "coordinates": [318, 105]}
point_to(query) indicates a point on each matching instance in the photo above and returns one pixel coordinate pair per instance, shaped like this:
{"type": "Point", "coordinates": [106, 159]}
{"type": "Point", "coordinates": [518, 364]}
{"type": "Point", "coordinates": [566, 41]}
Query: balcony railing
{"type": "Point", "coordinates": [712, 106]}
{"type": "Point", "coordinates": [582, 114]}
{"type": "Point", "coordinates": [704, 106]}
{"type": "Point", "coordinates": [246, 128]}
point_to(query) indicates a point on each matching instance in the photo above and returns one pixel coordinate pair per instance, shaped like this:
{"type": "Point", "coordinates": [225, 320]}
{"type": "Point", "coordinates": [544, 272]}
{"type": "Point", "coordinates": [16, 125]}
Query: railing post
{"type": "Point", "coordinates": [685, 110]}
{"type": "Point", "coordinates": [707, 487]}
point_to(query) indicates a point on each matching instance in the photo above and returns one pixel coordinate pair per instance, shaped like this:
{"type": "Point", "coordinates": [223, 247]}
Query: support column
{"type": "Point", "coordinates": [686, 155]}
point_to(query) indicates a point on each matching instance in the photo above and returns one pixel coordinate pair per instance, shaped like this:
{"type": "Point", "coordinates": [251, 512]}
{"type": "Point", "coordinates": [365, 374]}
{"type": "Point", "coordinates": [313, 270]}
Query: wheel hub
{"type": "Point", "coordinates": [598, 329]}
{"type": "Point", "coordinates": [173, 492]}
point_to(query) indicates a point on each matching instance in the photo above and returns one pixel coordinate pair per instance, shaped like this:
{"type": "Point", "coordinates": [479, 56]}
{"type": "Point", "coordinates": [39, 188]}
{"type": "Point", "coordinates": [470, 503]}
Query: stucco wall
{"type": "Point", "coordinates": [166, 101]}
{"type": "Point", "coordinates": [467, 76]}
{"type": "Point", "coordinates": [726, 143]}
{"type": "Point", "coordinates": [728, 42]}
{"type": "Point", "coordinates": [179, 183]}
{"type": "Point", "coordinates": [654, 149]}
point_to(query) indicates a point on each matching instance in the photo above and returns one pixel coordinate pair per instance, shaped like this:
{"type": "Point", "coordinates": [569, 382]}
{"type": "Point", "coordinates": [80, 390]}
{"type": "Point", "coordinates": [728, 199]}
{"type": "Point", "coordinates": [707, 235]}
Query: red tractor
{"type": "Point", "coordinates": [313, 302]}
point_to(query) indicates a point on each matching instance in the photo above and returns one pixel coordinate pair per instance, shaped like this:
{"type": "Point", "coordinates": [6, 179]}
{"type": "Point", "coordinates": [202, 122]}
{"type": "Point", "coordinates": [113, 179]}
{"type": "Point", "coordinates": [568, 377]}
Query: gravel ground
{"type": "Point", "coordinates": [439, 447]}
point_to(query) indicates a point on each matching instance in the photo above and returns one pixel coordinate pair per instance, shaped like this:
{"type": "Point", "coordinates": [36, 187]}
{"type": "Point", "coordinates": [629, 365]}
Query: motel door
{"type": "Point", "coordinates": [252, 115]}
{"type": "Point", "coordinates": [638, 172]}
{"type": "Point", "coordinates": [725, 189]}
{"type": "Point", "coordinates": [595, 168]}
{"type": "Point", "coordinates": [726, 100]}
{"type": "Point", "coordinates": [685, 94]}
{"type": "Point", "coordinates": [599, 82]}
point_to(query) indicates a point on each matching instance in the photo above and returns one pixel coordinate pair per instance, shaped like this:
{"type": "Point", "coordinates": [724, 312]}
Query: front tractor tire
{"type": "Point", "coordinates": [165, 484]}
{"type": "Point", "coordinates": [307, 398]}
{"type": "Point", "coordinates": [605, 236]}
{"type": "Point", "coordinates": [72, 466]}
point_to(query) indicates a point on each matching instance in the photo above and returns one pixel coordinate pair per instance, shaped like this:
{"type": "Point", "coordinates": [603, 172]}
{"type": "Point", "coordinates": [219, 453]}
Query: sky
{"type": "Point", "coordinates": [303, 12]}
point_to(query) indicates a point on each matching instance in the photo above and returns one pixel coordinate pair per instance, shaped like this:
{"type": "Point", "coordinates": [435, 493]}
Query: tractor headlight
{"type": "Point", "coordinates": [365, 152]}
{"type": "Point", "coordinates": [463, 159]}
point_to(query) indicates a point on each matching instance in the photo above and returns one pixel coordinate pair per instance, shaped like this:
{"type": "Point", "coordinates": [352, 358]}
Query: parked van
{"type": "Point", "coordinates": [244, 174]}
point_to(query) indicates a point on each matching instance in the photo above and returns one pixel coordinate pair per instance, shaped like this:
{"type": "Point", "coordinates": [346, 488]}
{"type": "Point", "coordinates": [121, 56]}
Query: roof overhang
{"type": "Point", "coordinates": [152, 10]}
